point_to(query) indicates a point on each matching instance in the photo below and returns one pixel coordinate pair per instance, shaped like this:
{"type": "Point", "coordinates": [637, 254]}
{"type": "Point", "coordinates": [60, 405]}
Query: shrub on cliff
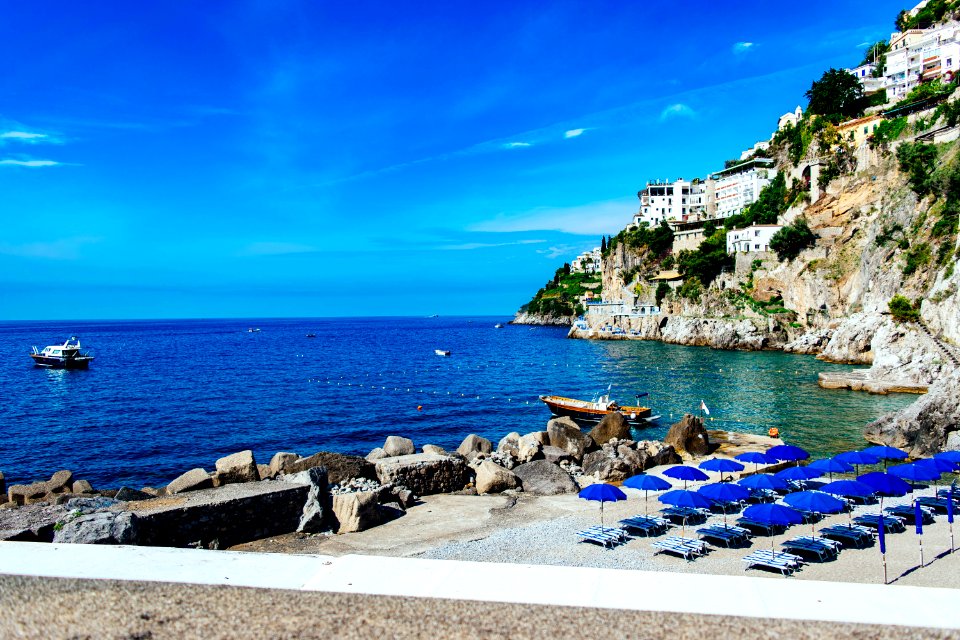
{"type": "Point", "coordinates": [918, 161]}
{"type": "Point", "coordinates": [903, 310]}
{"type": "Point", "coordinates": [662, 290]}
{"type": "Point", "coordinates": [707, 261]}
{"type": "Point", "coordinates": [792, 239]}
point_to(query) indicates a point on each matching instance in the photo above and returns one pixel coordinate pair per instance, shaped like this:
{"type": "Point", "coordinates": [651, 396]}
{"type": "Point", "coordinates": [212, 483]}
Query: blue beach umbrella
{"type": "Point", "coordinates": [602, 493]}
{"type": "Point", "coordinates": [681, 472]}
{"type": "Point", "coordinates": [755, 458]}
{"type": "Point", "coordinates": [774, 514]}
{"type": "Point", "coordinates": [798, 473]}
{"type": "Point", "coordinates": [762, 481]}
{"type": "Point", "coordinates": [815, 501]}
{"type": "Point", "coordinates": [724, 492]}
{"type": "Point", "coordinates": [886, 484]}
{"type": "Point", "coordinates": [857, 458]}
{"type": "Point", "coordinates": [646, 483]}
{"type": "Point", "coordinates": [951, 456]}
{"type": "Point", "coordinates": [916, 473]}
{"type": "Point", "coordinates": [848, 489]}
{"type": "Point", "coordinates": [886, 453]}
{"type": "Point", "coordinates": [787, 453]}
{"type": "Point", "coordinates": [831, 466]}
{"type": "Point", "coordinates": [937, 464]}
{"type": "Point", "coordinates": [722, 465]}
{"type": "Point", "coordinates": [684, 498]}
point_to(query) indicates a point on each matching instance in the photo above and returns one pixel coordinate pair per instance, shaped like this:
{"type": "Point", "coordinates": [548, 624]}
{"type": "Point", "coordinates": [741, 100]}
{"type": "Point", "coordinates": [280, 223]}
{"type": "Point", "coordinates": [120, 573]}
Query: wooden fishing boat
{"type": "Point", "coordinates": [594, 410]}
{"type": "Point", "coordinates": [62, 356]}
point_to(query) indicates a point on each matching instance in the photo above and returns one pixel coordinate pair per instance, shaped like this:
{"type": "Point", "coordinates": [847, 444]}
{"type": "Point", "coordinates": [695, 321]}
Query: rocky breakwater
{"type": "Point", "coordinates": [542, 320]}
{"type": "Point", "coordinates": [929, 425]}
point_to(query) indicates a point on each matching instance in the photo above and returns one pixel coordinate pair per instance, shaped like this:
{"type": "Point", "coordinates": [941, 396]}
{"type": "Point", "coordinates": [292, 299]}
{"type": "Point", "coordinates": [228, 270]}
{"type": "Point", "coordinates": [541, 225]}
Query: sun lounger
{"type": "Point", "coordinates": [937, 504]}
{"type": "Point", "coordinates": [764, 528]}
{"type": "Point", "coordinates": [785, 563]}
{"type": "Point", "coordinates": [606, 536]}
{"type": "Point", "coordinates": [850, 536]}
{"type": "Point", "coordinates": [763, 495]}
{"type": "Point", "coordinates": [813, 546]}
{"type": "Point", "coordinates": [688, 548]}
{"type": "Point", "coordinates": [645, 525]}
{"type": "Point", "coordinates": [687, 515]}
{"type": "Point", "coordinates": [727, 536]}
{"type": "Point", "coordinates": [907, 512]}
{"type": "Point", "coordinates": [945, 493]}
{"type": "Point", "coordinates": [727, 506]}
{"type": "Point", "coordinates": [891, 524]}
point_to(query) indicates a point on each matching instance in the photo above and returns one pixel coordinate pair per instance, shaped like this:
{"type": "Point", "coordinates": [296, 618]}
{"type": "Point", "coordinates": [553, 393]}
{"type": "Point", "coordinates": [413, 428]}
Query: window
{"type": "Point", "coordinates": [757, 247]}
{"type": "Point", "coordinates": [949, 62]}
{"type": "Point", "coordinates": [756, 234]}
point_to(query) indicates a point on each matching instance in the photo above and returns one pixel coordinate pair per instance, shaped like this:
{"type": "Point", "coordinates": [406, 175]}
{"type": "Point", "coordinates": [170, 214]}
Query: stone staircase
{"type": "Point", "coordinates": [946, 350]}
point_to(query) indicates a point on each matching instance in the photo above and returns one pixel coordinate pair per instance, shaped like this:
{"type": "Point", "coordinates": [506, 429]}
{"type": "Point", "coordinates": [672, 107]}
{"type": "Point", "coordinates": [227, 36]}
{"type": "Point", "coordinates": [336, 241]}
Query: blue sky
{"type": "Point", "coordinates": [257, 159]}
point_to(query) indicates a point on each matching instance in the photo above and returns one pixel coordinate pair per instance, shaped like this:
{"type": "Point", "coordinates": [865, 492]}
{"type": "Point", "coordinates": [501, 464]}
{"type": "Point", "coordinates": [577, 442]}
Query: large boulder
{"type": "Point", "coordinates": [556, 455]}
{"type": "Point", "coordinates": [126, 494]}
{"type": "Point", "coordinates": [435, 450]}
{"type": "Point", "coordinates": [355, 511]}
{"type": "Point", "coordinates": [26, 493]}
{"type": "Point", "coordinates": [509, 443]}
{"type": "Point", "coordinates": [376, 454]}
{"type": "Point", "coordinates": [192, 480]}
{"type": "Point", "coordinates": [340, 467]}
{"type": "Point", "coordinates": [689, 436]}
{"type": "Point", "coordinates": [613, 425]}
{"type": "Point", "coordinates": [543, 478]}
{"type": "Point", "coordinates": [397, 446]}
{"type": "Point", "coordinates": [565, 434]}
{"type": "Point", "coordinates": [280, 461]}
{"type": "Point", "coordinates": [492, 478]}
{"type": "Point", "coordinates": [315, 509]}
{"type": "Point", "coordinates": [611, 464]}
{"type": "Point", "coordinates": [237, 467]}
{"type": "Point", "coordinates": [102, 527]}
{"type": "Point", "coordinates": [31, 523]}
{"type": "Point", "coordinates": [530, 447]}
{"type": "Point", "coordinates": [657, 453]}
{"type": "Point", "coordinates": [60, 482]}
{"type": "Point", "coordinates": [924, 427]}
{"type": "Point", "coordinates": [425, 473]}
{"type": "Point", "coordinates": [82, 486]}
{"type": "Point", "coordinates": [474, 444]}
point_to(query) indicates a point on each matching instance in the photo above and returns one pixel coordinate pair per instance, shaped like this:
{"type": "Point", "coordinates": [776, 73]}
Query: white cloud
{"type": "Point", "coordinates": [573, 133]}
{"type": "Point", "coordinates": [486, 245]}
{"type": "Point", "coordinates": [30, 163]}
{"type": "Point", "coordinates": [557, 252]}
{"type": "Point", "coordinates": [678, 110]}
{"type": "Point", "coordinates": [65, 249]}
{"type": "Point", "coordinates": [589, 219]}
{"type": "Point", "coordinates": [743, 47]}
{"type": "Point", "coordinates": [23, 135]}
{"type": "Point", "coordinates": [276, 249]}
{"type": "Point", "coordinates": [516, 145]}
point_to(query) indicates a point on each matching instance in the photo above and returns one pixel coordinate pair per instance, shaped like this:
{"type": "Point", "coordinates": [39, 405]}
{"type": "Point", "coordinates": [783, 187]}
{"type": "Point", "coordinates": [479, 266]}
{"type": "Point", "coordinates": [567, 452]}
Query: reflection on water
{"type": "Point", "coordinates": [208, 388]}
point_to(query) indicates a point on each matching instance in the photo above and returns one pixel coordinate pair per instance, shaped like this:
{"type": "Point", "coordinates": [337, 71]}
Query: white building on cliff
{"type": "Point", "coordinates": [754, 238]}
{"type": "Point", "coordinates": [740, 185]}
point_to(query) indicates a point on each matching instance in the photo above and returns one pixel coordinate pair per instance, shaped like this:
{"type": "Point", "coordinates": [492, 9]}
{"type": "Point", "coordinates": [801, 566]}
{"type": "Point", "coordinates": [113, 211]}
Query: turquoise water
{"type": "Point", "coordinates": [164, 397]}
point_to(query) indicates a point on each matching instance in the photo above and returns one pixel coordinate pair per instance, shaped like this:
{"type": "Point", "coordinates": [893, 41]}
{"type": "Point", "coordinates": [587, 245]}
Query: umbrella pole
{"type": "Point", "coordinates": [951, 537]}
{"type": "Point", "coordinates": [884, 568]}
{"type": "Point", "coordinates": [601, 517]}
{"type": "Point", "coordinates": [920, 538]}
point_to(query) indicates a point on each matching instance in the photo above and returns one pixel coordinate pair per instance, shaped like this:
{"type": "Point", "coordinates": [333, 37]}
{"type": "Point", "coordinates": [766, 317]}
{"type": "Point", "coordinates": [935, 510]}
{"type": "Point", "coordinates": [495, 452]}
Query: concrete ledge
{"type": "Point", "coordinates": [750, 597]}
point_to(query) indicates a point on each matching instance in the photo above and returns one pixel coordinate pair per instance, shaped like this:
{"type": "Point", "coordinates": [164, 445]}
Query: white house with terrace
{"type": "Point", "coordinates": [740, 185]}
{"type": "Point", "coordinates": [588, 262]}
{"type": "Point", "coordinates": [753, 239]}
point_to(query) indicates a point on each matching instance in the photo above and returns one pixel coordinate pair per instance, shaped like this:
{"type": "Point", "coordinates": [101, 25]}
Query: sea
{"type": "Point", "coordinates": [163, 397]}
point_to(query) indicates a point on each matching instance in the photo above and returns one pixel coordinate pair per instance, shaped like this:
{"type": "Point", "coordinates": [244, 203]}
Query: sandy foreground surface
{"type": "Point", "coordinates": [541, 530]}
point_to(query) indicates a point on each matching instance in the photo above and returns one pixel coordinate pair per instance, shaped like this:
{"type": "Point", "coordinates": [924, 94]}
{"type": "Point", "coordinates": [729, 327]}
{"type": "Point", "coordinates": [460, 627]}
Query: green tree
{"type": "Point", "coordinates": [837, 95]}
{"type": "Point", "coordinates": [662, 290]}
{"type": "Point", "coordinates": [708, 261]}
{"type": "Point", "coordinates": [903, 310]}
{"type": "Point", "coordinates": [792, 239]}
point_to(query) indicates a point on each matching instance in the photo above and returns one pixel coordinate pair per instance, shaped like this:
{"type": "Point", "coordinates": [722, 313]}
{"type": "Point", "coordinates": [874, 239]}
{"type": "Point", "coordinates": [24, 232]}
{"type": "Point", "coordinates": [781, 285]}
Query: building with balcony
{"type": "Point", "coordinates": [740, 185]}
{"type": "Point", "coordinates": [754, 238]}
{"type": "Point", "coordinates": [680, 200]}
{"type": "Point", "coordinates": [588, 262]}
{"type": "Point", "coordinates": [920, 55]}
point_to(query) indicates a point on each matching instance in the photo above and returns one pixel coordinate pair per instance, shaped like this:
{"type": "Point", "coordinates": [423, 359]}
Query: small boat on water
{"type": "Point", "coordinates": [253, 330]}
{"type": "Point", "coordinates": [498, 326]}
{"type": "Point", "coordinates": [62, 356]}
{"type": "Point", "coordinates": [595, 410]}
{"type": "Point", "coordinates": [441, 352]}
{"type": "Point", "coordinates": [311, 335]}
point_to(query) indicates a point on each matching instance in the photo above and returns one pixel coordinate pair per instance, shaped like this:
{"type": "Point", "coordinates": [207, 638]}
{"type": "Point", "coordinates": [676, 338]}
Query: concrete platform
{"type": "Point", "coordinates": [638, 591]}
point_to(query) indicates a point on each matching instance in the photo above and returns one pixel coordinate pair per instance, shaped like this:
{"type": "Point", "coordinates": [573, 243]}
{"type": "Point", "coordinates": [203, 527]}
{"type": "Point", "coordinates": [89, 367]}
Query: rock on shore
{"type": "Point", "coordinates": [927, 426]}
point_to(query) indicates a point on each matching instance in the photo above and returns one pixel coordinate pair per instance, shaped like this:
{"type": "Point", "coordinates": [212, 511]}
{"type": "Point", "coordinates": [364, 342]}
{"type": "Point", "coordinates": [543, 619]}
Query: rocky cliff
{"type": "Point", "coordinates": [542, 320]}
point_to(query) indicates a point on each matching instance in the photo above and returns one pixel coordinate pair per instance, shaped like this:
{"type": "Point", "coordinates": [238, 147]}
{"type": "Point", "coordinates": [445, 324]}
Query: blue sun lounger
{"type": "Point", "coordinates": [727, 536]}
{"type": "Point", "coordinates": [785, 563]}
{"type": "Point", "coordinates": [891, 524]}
{"type": "Point", "coordinates": [685, 514]}
{"type": "Point", "coordinates": [937, 504]}
{"type": "Point", "coordinates": [850, 536]}
{"type": "Point", "coordinates": [907, 512]}
{"type": "Point", "coordinates": [606, 536]}
{"type": "Point", "coordinates": [822, 549]}
{"type": "Point", "coordinates": [646, 525]}
{"type": "Point", "coordinates": [688, 548]}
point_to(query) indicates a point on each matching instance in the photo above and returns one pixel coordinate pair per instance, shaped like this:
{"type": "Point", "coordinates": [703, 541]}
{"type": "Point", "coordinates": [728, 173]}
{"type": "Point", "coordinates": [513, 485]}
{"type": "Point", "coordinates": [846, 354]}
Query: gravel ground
{"type": "Point", "coordinates": [551, 541]}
